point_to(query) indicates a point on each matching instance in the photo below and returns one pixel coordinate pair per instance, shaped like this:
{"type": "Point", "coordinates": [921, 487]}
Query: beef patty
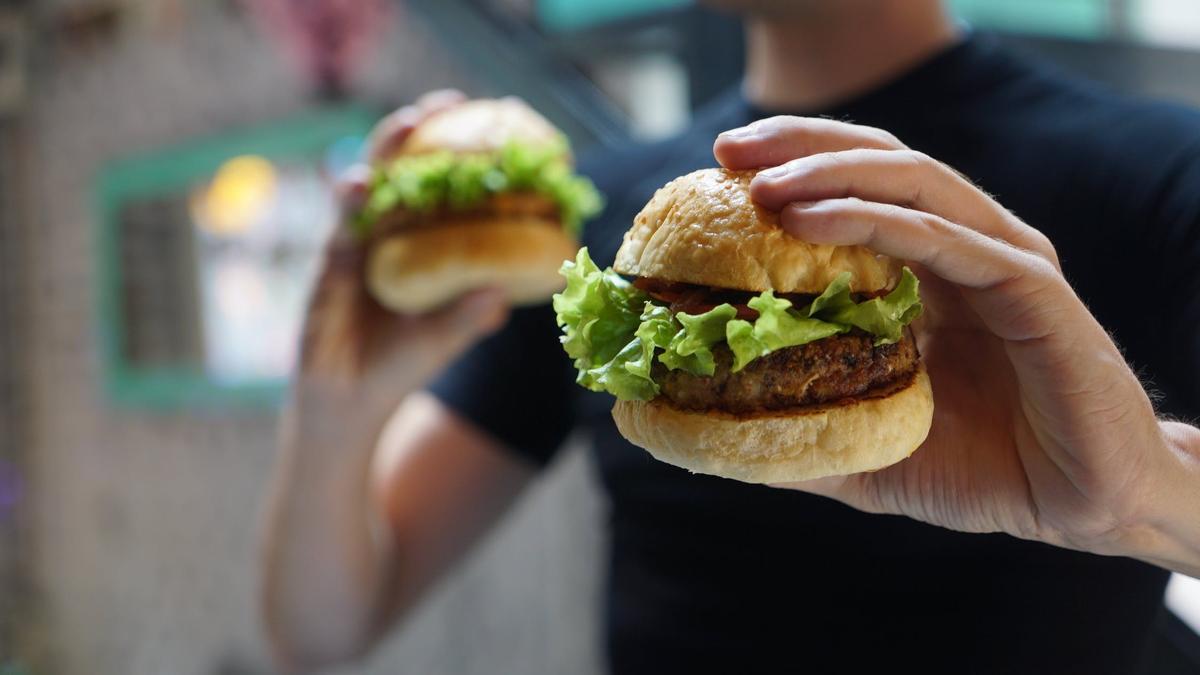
{"type": "Point", "coordinates": [838, 367]}
{"type": "Point", "coordinates": [520, 204]}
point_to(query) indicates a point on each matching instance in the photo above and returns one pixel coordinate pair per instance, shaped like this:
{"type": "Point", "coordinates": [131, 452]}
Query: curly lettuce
{"type": "Point", "coordinates": [600, 314]}
{"type": "Point", "coordinates": [778, 325]}
{"type": "Point", "coordinates": [459, 182]}
{"type": "Point", "coordinates": [615, 332]}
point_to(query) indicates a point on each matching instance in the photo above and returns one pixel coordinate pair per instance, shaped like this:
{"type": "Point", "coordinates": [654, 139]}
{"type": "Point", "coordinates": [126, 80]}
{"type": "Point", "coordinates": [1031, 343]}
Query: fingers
{"type": "Point", "coordinates": [391, 131]}
{"type": "Point", "coordinates": [904, 178]}
{"type": "Point", "coordinates": [1019, 295]}
{"type": "Point", "coordinates": [351, 188]}
{"type": "Point", "coordinates": [439, 99]}
{"type": "Point", "coordinates": [386, 138]}
{"type": "Point", "coordinates": [815, 159]}
{"type": "Point", "coordinates": [780, 139]}
{"type": "Point", "coordinates": [429, 342]}
{"type": "Point", "coordinates": [477, 313]}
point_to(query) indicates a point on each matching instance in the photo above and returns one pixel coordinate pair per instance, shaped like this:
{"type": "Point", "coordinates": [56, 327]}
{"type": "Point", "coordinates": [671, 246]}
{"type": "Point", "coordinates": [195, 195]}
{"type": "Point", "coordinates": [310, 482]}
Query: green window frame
{"type": "Point", "coordinates": [169, 171]}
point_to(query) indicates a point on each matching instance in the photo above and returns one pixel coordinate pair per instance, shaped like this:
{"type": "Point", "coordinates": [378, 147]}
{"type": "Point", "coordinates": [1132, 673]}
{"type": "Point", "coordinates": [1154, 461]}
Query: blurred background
{"type": "Point", "coordinates": [164, 190]}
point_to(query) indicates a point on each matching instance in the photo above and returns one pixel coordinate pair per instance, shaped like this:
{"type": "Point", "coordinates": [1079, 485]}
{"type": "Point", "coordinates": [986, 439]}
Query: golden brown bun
{"type": "Point", "coordinates": [866, 435]}
{"type": "Point", "coordinates": [423, 268]}
{"type": "Point", "coordinates": [480, 125]}
{"type": "Point", "coordinates": [704, 229]}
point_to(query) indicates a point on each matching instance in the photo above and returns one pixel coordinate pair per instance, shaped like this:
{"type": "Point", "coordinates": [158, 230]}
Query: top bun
{"type": "Point", "coordinates": [480, 126]}
{"type": "Point", "coordinates": [704, 229]}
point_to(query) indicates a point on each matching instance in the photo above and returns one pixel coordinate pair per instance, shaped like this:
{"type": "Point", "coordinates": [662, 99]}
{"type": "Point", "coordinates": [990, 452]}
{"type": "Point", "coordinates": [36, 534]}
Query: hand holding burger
{"type": "Point", "coordinates": [741, 351]}
{"type": "Point", "coordinates": [465, 208]}
{"type": "Point", "coordinates": [1041, 429]}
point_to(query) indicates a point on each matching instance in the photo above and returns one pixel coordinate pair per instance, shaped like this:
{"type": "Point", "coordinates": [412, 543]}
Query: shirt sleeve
{"type": "Point", "coordinates": [515, 385]}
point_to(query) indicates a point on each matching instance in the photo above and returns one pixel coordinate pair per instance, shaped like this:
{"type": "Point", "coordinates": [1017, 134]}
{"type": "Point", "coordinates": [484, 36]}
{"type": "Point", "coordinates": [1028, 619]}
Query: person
{"type": "Point", "coordinates": [1043, 511]}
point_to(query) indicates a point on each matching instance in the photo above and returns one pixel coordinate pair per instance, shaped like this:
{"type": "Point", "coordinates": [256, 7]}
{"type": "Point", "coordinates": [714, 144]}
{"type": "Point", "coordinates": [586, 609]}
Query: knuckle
{"type": "Point", "coordinates": [776, 124]}
{"type": "Point", "coordinates": [885, 138]}
{"type": "Point", "coordinates": [1040, 271]}
{"type": "Point", "coordinates": [828, 161]}
{"type": "Point", "coordinates": [1044, 246]}
{"type": "Point", "coordinates": [1032, 297]}
{"type": "Point", "coordinates": [916, 160]}
{"type": "Point", "coordinates": [796, 170]}
{"type": "Point", "coordinates": [915, 167]}
{"type": "Point", "coordinates": [895, 212]}
{"type": "Point", "coordinates": [938, 226]}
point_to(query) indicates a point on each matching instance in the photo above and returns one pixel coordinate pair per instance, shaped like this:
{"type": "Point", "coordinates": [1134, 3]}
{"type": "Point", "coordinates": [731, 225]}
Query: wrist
{"type": "Point", "coordinates": [333, 422]}
{"type": "Point", "coordinates": [1169, 535]}
{"type": "Point", "coordinates": [324, 404]}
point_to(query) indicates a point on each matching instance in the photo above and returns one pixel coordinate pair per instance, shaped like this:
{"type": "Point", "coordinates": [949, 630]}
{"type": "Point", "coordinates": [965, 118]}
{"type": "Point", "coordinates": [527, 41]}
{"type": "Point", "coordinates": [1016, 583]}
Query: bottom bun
{"type": "Point", "coordinates": [869, 433]}
{"type": "Point", "coordinates": [425, 268]}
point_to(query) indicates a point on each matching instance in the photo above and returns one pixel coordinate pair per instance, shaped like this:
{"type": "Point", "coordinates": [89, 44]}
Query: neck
{"type": "Point", "coordinates": [829, 55]}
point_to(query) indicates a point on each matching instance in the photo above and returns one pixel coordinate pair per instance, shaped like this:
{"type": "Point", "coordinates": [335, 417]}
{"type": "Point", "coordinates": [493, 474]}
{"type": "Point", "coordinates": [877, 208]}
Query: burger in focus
{"type": "Point", "coordinates": [481, 194]}
{"type": "Point", "coordinates": [737, 350]}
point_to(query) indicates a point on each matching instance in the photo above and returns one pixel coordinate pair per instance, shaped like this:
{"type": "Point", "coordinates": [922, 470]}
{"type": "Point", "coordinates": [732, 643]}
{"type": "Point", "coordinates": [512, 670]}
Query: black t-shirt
{"type": "Point", "coordinates": [713, 575]}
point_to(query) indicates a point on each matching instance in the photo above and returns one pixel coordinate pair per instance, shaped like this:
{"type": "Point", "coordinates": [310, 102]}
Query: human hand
{"type": "Point", "coordinates": [1040, 428]}
{"type": "Point", "coordinates": [357, 354]}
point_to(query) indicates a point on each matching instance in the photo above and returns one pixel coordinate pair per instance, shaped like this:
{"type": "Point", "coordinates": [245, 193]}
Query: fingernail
{"type": "Point", "coordinates": [800, 206]}
{"type": "Point", "coordinates": [740, 133]}
{"type": "Point", "coordinates": [774, 172]}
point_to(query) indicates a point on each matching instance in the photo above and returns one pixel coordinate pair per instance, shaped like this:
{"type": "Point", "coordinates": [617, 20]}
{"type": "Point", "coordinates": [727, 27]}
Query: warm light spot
{"type": "Point", "coordinates": [240, 194]}
{"type": "Point", "coordinates": [241, 291]}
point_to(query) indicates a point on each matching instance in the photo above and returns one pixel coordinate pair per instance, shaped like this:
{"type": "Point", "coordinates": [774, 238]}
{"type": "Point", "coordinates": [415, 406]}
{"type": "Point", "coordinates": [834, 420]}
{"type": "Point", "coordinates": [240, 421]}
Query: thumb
{"type": "Point", "coordinates": [457, 326]}
{"type": "Point", "coordinates": [853, 490]}
{"type": "Point", "coordinates": [831, 486]}
{"type": "Point", "coordinates": [478, 313]}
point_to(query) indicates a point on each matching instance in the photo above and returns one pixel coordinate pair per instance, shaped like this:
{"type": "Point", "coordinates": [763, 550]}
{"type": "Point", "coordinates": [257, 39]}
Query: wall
{"type": "Point", "coordinates": [145, 523]}
{"type": "Point", "coordinates": [12, 587]}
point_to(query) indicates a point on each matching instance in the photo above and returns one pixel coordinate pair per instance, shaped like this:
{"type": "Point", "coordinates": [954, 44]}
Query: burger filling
{"type": "Point", "coordinates": [518, 180]}
{"type": "Point", "coordinates": [700, 348]}
{"type": "Point", "coordinates": [523, 205]}
{"type": "Point", "coordinates": [833, 369]}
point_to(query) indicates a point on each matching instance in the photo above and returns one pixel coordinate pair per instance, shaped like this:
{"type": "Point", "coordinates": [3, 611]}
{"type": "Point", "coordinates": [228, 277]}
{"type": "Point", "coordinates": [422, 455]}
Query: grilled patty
{"type": "Point", "coordinates": [528, 205]}
{"type": "Point", "coordinates": [835, 368]}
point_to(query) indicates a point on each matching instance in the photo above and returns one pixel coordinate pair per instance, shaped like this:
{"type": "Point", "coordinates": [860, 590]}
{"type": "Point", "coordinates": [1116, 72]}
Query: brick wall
{"type": "Point", "coordinates": [13, 581]}
{"type": "Point", "coordinates": [144, 523]}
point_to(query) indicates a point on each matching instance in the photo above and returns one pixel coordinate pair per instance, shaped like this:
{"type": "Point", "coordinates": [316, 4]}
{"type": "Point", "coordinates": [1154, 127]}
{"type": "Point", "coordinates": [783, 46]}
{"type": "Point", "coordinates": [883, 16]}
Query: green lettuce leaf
{"type": "Point", "coordinates": [627, 375]}
{"type": "Point", "coordinates": [884, 317]}
{"type": "Point", "coordinates": [691, 347]}
{"type": "Point", "coordinates": [600, 314]}
{"type": "Point", "coordinates": [778, 326]}
{"type": "Point", "coordinates": [658, 327]}
{"type": "Point", "coordinates": [614, 332]}
{"type": "Point", "coordinates": [424, 182]}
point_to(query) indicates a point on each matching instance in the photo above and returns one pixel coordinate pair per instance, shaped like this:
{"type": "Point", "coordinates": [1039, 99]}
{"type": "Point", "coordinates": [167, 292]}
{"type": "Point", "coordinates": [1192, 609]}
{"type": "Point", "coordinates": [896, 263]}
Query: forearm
{"type": "Point", "coordinates": [1174, 539]}
{"type": "Point", "coordinates": [323, 567]}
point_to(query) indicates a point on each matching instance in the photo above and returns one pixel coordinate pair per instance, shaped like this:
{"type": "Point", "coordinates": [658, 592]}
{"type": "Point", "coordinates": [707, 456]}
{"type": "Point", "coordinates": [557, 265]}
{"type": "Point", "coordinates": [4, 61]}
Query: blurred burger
{"type": "Point", "coordinates": [479, 194]}
{"type": "Point", "coordinates": [740, 351]}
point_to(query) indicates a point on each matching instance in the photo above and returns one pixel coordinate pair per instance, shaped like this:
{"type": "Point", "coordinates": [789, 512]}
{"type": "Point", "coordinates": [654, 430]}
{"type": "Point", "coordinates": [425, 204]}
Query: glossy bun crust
{"type": "Point", "coordinates": [704, 229]}
{"type": "Point", "coordinates": [480, 126]}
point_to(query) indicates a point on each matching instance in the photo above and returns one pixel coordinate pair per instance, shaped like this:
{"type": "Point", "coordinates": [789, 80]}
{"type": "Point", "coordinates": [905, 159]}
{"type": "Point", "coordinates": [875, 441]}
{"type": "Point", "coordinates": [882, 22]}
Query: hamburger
{"type": "Point", "coordinates": [479, 194]}
{"type": "Point", "coordinates": [737, 350]}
